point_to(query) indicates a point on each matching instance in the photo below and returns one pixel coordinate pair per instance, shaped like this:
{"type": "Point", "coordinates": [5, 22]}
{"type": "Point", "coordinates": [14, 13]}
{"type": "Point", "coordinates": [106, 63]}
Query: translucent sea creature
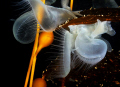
{"type": "Point", "coordinates": [83, 40]}
{"type": "Point", "coordinates": [86, 42]}
{"type": "Point", "coordinates": [89, 45]}
{"type": "Point", "coordinates": [48, 17]}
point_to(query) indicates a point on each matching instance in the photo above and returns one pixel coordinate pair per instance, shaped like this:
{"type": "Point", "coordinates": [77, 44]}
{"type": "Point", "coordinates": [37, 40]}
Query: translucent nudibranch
{"type": "Point", "coordinates": [65, 58]}
{"type": "Point", "coordinates": [89, 45]}
{"type": "Point", "coordinates": [25, 27]}
{"type": "Point", "coordinates": [49, 18]}
{"type": "Point", "coordinates": [84, 41]}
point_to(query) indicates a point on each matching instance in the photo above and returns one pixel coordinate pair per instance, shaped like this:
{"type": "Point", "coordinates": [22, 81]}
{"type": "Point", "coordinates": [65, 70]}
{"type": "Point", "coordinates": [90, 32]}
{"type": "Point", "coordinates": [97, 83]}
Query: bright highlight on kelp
{"type": "Point", "coordinates": [81, 37]}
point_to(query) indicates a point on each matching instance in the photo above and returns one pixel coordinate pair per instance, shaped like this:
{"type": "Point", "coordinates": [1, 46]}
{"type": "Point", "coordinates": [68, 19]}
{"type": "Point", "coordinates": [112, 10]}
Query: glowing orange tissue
{"type": "Point", "coordinates": [39, 82]}
{"type": "Point", "coordinates": [45, 39]}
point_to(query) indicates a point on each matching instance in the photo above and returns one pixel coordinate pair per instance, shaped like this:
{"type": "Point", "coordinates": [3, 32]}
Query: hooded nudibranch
{"type": "Point", "coordinates": [89, 45]}
{"type": "Point", "coordinates": [82, 39]}
{"type": "Point", "coordinates": [47, 16]}
{"type": "Point", "coordinates": [85, 41]}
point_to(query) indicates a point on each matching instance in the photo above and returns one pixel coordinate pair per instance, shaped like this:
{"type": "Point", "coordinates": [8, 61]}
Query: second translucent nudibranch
{"type": "Point", "coordinates": [48, 17]}
{"type": "Point", "coordinates": [89, 45]}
